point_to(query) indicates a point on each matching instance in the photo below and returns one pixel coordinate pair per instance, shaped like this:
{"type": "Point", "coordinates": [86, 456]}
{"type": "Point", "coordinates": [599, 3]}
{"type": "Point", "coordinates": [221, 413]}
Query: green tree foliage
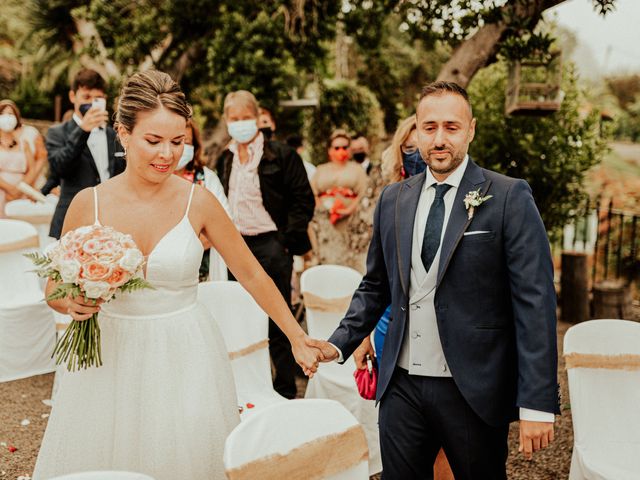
{"type": "Point", "coordinates": [346, 105]}
{"type": "Point", "coordinates": [551, 153]}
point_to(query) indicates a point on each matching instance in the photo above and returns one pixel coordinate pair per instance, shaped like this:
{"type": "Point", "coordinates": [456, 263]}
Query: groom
{"type": "Point", "coordinates": [472, 341]}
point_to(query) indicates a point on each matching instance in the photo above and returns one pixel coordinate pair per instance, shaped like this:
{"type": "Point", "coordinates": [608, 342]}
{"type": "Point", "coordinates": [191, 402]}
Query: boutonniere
{"type": "Point", "coordinates": [474, 199]}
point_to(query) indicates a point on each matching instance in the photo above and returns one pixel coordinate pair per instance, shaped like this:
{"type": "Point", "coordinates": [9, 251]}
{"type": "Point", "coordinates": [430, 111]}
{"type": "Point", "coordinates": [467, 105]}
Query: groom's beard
{"type": "Point", "coordinates": [446, 164]}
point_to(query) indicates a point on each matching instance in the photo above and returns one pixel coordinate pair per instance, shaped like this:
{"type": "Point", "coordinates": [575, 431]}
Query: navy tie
{"type": "Point", "coordinates": [433, 230]}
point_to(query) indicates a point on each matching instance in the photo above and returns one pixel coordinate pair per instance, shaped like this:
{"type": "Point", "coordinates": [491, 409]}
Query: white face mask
{"type": "Point", "coordinates": [187, 156]}
{"type": "Point", "coordinates": [8, 122]}
{"type": "Point", "coordinates": [243, 131]}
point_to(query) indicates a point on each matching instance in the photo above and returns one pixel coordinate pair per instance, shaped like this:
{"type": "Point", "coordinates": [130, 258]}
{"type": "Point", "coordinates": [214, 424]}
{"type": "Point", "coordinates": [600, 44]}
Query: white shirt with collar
{"type": "Point", "coordinates": [427, 350]}
{"type": "Point", "coordinates": [97, 143]}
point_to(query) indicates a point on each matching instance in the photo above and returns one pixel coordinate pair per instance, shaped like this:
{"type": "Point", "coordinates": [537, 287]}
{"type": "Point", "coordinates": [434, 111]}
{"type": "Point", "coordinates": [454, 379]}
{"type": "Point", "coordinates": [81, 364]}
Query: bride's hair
{"type": "Point", "coordinates": [146, 91]}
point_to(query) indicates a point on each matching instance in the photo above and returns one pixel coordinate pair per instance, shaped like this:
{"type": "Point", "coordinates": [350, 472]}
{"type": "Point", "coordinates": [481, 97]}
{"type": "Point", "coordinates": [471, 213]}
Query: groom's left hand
{"type": "Point", "coordinates": [534, 436]}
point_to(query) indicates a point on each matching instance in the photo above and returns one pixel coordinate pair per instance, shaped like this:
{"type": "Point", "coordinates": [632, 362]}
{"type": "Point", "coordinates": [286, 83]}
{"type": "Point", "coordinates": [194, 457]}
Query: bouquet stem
{"type": "Point", "coordinates": [79, 346]}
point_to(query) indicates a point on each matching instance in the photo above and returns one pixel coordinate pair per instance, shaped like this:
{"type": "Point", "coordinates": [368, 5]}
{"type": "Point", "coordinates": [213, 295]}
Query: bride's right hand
{"type": "Point", "coordinates": [81, 308]}
{"type": "Point", "coordinates": [306, 356]}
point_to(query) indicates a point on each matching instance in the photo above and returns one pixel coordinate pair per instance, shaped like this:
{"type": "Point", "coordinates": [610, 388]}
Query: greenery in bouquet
{"type": "Point", "coordinates": [94, 262]}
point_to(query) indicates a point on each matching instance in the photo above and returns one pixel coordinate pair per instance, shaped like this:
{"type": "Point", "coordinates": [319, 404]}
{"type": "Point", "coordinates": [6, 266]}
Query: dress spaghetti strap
{"type": "Point", "coordinates": [95, 206]}
{"type": "Point", "coordinates": [190, 198]}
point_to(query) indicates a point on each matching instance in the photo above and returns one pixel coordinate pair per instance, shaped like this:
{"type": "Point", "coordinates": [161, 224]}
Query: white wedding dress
{"type": "Point", "coordinates": [164, 401]}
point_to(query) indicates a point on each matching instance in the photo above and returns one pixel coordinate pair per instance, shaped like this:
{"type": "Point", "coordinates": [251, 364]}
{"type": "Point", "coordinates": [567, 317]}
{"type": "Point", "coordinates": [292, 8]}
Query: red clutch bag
{"type": "Point", "coordinates": [367, 381]}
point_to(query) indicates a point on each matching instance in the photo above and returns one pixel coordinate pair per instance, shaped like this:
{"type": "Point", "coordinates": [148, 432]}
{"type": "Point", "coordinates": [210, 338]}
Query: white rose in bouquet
{"type": "Point", "coordinates": [95, 289]}
{"type": "Point", "coordinates": [69, 270]}
{"type": "Point", "coordinates": [131, 260]}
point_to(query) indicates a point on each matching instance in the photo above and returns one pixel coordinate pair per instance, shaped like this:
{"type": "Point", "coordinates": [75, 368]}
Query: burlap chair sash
{"type": "Point", "coordinates": [313, 460]}
{"type": "Point", "coordinates": [249, 350]}
{"type": "Point", "coordinates": [32, 219]}
{"type": "Point", "coordinates": [608, 362]}
{"type": "Point", "coordinates": [329, 305]}
{"type": "Point", "coordinates": [29, 242]}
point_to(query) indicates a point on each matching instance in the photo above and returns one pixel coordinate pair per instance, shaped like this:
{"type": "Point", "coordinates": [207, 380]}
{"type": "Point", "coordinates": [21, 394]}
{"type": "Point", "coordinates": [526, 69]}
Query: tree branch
{"type": "Point", "coordinates": [481, 48]}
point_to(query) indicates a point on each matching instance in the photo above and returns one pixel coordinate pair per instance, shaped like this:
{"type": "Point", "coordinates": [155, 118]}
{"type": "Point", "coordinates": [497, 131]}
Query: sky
{"type": "Point", "coordinates": [606, 45]}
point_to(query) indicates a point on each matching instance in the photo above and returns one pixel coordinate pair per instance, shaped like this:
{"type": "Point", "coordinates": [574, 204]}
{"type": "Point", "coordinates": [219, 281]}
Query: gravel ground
{"type": "Point", "coordinates": [22, 399]}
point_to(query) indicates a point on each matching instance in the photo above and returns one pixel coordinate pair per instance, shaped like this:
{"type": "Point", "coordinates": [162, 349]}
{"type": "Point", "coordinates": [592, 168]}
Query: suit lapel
{"type": "Point", "coordinates": [472, 179]}
{"type": "Point", "coordinates": [405, 213]}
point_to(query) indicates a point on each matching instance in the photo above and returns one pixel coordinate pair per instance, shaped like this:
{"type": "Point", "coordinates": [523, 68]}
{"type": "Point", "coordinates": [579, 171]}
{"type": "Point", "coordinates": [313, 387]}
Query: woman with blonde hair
{"type": "Point", "coordinates": [402, 159]}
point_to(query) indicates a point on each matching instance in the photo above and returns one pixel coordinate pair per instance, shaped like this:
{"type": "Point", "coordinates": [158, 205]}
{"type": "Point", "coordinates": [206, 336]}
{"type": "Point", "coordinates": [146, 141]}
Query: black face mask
{"type": "Point", "coordinates": [413, 163]}
{"type": "Point", "coordinates": [360, 157]}
{"type": "Point", "coordinates": [267, 132]}
{"type": "Point", "coordinates": [84, 108]}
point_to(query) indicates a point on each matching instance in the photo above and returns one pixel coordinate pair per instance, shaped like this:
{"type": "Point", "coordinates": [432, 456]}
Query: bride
{"type": "Point", "coordinates": [164, 401]}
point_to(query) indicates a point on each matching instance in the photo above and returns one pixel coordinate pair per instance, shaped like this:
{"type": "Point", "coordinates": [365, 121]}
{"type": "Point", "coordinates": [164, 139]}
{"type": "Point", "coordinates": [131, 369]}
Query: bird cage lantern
{"type": "Point", "coordinates": [534, 86]}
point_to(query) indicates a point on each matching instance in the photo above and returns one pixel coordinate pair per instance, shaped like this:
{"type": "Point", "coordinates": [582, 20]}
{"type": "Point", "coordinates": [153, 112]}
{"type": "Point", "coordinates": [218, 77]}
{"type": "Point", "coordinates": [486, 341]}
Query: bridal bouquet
{"type": "Point", "coordinates": [95, 262]}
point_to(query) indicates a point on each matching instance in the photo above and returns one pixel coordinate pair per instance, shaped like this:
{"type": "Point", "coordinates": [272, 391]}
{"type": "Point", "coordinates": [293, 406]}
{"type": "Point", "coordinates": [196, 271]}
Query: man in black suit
{"type": "Point", "coordinates": [271, 204]}
{"type": "Point", "coordinates": [81, 150]}
{"type": "Point", "coordinates": [462, 256]}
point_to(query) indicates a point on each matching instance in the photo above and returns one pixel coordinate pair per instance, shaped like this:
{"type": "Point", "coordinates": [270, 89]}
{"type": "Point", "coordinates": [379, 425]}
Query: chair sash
{"type": "Point", "coordinates": [598, 361]}
{"type": "Point", "coordinates": [32, 219]}
{"type": "Point", "coordinates": [24, 243]}
{"type": "Point", "coordinates": [319, 458]}
{"type": "Point", "coordinates": [329, 305]}
{"type": "Point", "coordinates": [249, 350]}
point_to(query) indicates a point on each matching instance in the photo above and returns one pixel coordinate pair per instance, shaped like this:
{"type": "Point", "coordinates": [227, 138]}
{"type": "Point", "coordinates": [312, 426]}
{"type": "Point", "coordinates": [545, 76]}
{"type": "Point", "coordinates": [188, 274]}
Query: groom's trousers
{"type": "Point", "coordinates": [419, 415]}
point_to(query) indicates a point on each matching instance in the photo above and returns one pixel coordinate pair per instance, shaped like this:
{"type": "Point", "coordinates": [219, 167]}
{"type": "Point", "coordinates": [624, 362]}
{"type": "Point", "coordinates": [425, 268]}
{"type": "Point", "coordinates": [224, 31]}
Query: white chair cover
{"type": "Point", "coordinates": [111, 475]}
{"type": "Point", "coordinates": [244, 326]}
{"type": "Point", "coordinates": [335, 381]}
{"type": "Point", "coordinates": [605, 399]}
{"type": "Point", "coordinates": [298, 440]}
{"type": "Point", "coordinates": [27, 328]}
{"type": "Point", "coordinates": [36, 213]}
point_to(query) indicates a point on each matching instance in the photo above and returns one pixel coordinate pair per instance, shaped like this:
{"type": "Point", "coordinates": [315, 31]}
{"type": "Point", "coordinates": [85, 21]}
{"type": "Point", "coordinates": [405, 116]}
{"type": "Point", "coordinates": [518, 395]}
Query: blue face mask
{"type": "Point", "coordinates": [243, 131]}
{"type": "Point", "coordinates": [413, 163]}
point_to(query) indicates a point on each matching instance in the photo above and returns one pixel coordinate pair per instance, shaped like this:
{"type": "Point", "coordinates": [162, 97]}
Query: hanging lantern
{"type": "Point", "coordinates": [533, 87]}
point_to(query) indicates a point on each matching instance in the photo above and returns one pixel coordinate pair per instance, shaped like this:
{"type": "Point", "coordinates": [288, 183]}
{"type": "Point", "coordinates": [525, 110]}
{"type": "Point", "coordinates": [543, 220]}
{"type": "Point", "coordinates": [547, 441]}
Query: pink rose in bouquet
{"type": "Point", "coordinates": [95, 262]}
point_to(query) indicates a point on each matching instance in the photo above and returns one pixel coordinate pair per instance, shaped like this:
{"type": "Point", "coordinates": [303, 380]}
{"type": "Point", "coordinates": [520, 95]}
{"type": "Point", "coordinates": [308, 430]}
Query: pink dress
{"type": "Point", "coordinates": [13, 166]}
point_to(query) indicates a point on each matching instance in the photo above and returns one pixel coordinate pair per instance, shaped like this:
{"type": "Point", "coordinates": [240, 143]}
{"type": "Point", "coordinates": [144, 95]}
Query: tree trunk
{"type": "Point", "coordinates": [480, 49]}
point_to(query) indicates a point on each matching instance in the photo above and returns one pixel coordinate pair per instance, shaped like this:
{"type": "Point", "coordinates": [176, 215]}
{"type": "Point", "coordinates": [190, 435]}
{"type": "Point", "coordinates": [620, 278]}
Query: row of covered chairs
{"type": "Point", "coordinates": [603, 363]}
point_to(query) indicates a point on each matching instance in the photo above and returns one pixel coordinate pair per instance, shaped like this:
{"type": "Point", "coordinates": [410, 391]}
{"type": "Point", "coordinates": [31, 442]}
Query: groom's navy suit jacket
{"type": "Point", "coordinates": [495, 301]}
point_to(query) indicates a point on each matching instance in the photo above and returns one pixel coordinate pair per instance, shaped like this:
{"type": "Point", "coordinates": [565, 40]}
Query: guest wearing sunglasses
{"type": "Point", "coordinates": [338, 185]}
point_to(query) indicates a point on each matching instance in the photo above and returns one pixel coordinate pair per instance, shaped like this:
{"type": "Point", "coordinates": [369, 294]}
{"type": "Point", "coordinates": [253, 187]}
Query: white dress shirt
{"type": "Point", "coordinates": [97, 143]}
{"type": "Point", "coordinates": [245, 197]}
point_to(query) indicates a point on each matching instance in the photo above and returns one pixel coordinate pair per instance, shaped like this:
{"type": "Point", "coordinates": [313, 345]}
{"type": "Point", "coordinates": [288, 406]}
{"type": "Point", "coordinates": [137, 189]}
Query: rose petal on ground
{"type": "Point", "coordinates": [11, 448]}
{"type": "Point", "coordinates": [250, 405]}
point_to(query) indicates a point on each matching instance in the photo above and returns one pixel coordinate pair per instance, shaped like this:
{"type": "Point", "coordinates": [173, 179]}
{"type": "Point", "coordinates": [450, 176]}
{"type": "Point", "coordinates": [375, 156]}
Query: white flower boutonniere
{"type": "Point", "coordinates": [474, 199]}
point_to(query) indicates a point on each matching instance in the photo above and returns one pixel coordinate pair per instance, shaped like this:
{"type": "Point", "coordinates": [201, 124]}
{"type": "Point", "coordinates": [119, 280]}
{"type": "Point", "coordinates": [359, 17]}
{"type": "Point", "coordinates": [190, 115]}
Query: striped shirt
{"type": "Point", "coordinates": [245, 197]}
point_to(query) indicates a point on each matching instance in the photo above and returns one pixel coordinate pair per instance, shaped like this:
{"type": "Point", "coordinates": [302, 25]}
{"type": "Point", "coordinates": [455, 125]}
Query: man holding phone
{"type": "Point", "coordinates": [82, 150]}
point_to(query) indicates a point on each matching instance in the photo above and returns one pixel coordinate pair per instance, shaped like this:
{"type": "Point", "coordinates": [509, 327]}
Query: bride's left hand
{"type": "Point", "coordinates": [306, 356]}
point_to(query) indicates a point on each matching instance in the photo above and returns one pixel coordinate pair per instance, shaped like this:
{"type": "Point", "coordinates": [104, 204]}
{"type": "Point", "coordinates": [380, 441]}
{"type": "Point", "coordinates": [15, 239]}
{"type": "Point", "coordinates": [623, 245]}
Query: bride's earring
{"type": "Point", "coordinates": [122, 154]}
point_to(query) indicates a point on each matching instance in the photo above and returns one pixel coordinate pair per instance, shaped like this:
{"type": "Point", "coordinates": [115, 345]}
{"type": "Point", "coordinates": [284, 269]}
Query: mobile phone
{"type": "Point", "coordinates": [100, 103]}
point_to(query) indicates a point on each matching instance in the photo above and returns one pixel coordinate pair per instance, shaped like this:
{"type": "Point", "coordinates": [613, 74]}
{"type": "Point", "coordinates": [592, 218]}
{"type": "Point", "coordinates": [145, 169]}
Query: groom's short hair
{"type": "Point", "coordinates": [438, 88]}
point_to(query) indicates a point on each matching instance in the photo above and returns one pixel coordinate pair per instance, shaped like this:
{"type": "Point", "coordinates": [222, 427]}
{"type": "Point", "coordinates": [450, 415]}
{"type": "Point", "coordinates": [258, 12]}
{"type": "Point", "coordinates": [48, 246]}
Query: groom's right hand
{"type": "Point", "coordinates": [329, 352]}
